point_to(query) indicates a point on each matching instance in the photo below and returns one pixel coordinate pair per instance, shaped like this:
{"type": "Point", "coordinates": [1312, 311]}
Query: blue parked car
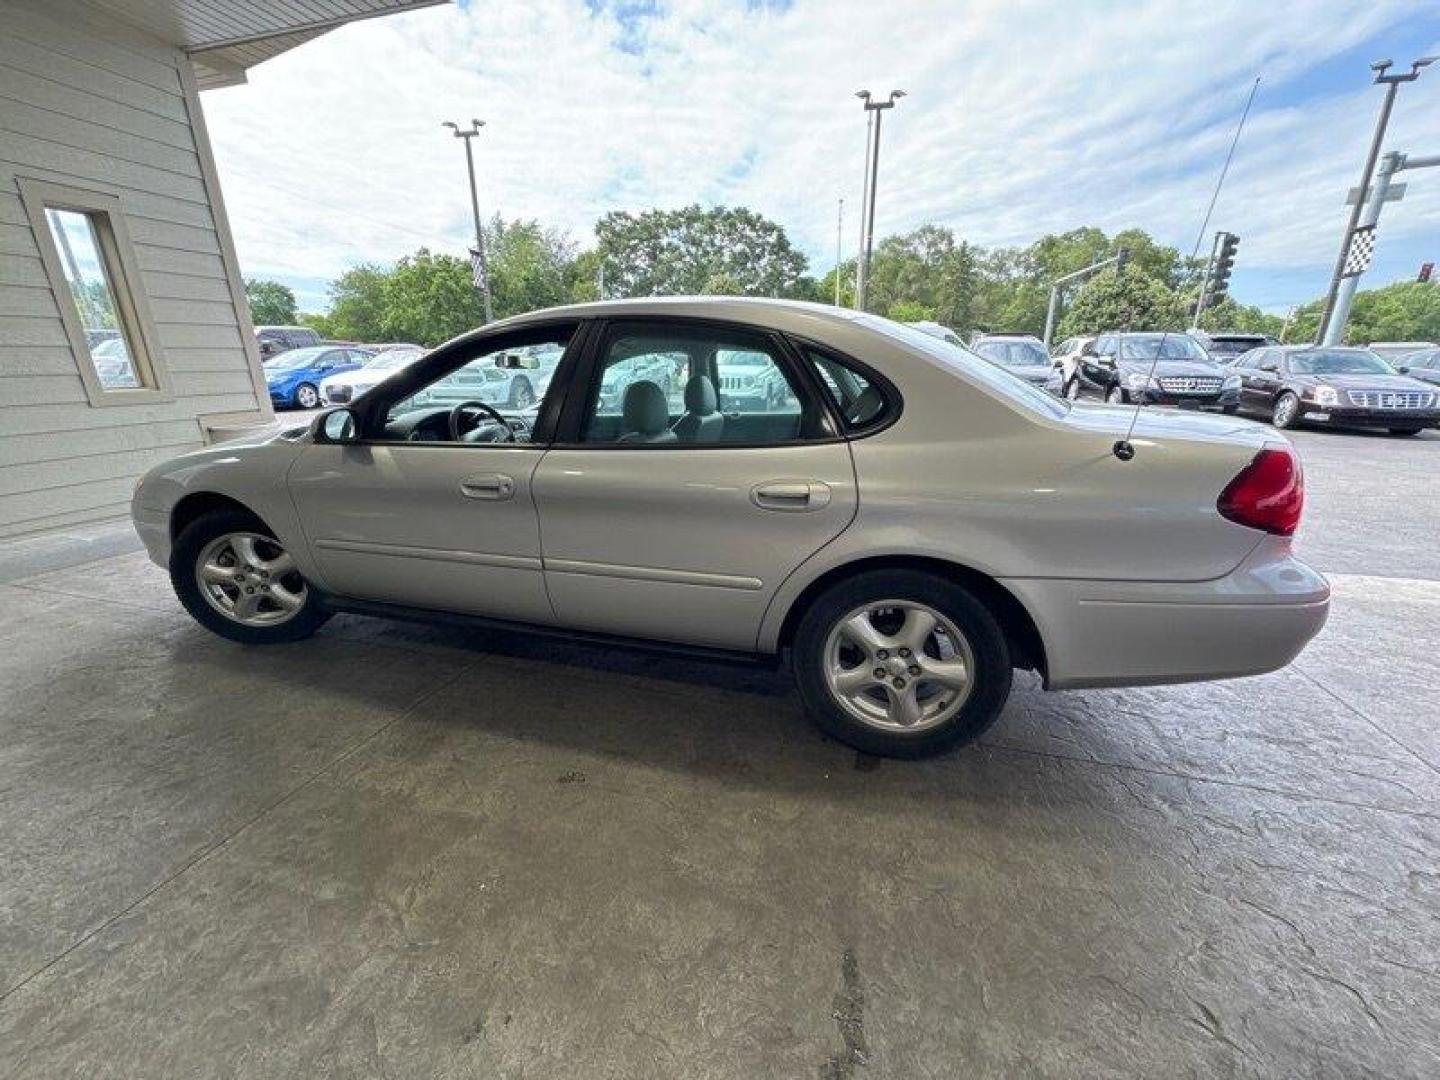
{"type": "Point", "coordinates": [294, 376]}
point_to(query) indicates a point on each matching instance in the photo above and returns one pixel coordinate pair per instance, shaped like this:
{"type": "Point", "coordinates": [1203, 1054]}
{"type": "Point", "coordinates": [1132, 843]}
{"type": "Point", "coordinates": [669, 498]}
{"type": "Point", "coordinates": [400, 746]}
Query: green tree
{"type": "Point", "coordinates": [926, 269]}
{"type": "Point", "coordinates": [1128, 301]}
{"type": "Point", "coordinates": [1404, 311]}
{"type": "Point", "coordinates": [428, 299]}
{"type": "Point", "coordinates": [357, 301]}
{"type": "Point", "coordinates": [531, 267]}
{"type": "Point", "coordinates": [665, 252]}
{"type": "Point", "coordinates": [911, 311]}
{"type": "Point", "coordinates": [271, 303]}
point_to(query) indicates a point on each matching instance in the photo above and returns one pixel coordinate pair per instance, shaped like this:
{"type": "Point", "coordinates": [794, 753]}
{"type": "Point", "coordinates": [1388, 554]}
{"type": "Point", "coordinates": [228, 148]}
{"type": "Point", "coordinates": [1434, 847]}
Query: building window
{"type": "Point", "coordinates": [87, 255]}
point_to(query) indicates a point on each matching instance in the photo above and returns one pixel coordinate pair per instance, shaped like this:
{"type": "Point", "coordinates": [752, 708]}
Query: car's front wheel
{"type": "Point", "coordinates": [235, 578]}
{"type": "Point", "coordinates": [1115, 396]}
{"type": "Point", "coordinates": [901, 663]}
{"type": "Point", "coordinates": [1286, 410]}
{"type": "Point", "coordinates": [306, 396]}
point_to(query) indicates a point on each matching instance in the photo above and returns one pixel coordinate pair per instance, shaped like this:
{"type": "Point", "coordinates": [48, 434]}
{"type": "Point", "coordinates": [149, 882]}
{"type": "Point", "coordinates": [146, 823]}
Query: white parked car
{"type": "Point", "coordinates": [913, 526]}
{"type": "Point", "coordinates": [348, 385]}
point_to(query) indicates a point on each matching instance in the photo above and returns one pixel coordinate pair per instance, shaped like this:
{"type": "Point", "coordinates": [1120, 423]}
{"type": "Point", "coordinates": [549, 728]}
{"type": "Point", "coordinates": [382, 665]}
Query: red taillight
{"type": "Point", "coordinates": [1268, 494]}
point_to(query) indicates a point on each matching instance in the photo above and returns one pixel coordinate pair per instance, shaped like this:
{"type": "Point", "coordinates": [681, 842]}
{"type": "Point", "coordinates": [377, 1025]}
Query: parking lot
{"type": "Point", "coordinates": [394, 850]}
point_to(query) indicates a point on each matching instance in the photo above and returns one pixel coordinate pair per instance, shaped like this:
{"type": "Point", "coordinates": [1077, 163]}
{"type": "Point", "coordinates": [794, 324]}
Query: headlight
{"type": "Point", "coordinates": [1326, 395]}
{"type": "Point", "coordinates": [1232, 382]}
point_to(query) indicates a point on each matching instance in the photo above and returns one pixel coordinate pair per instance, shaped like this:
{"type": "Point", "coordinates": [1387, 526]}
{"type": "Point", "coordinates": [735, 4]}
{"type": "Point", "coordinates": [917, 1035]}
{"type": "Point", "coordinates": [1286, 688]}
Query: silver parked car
{"type": "Point", "coordinates": [905, 526]}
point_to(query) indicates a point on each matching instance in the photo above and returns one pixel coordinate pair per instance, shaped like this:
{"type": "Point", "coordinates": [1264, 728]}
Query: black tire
{"type": "Point", "coordinates": [300, 392]}
{"type": "Point", "coordinates": [183, 556]}
{"type": "Point", "coordinates": [1405, 431]}
{"type": "Point", "coordinates": [522, 395]}
{"type": "Point", "coordinates": [1285, 416]}
{"type": "Point", "coordinates": [1230, 410]}
{"type": "Point", "coordinates": [991, 675]}
{"type": "Point", "coordinates": [1116, 396]}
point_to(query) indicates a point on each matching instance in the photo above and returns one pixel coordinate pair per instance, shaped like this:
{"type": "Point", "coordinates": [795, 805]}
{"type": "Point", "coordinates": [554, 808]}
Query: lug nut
{"type": "Point", "coordinates": [914, 669]}
{"type": "Point", "coordinates": [880, 673]}
{"type": "Point", "coordinates": [899, 684]}
{"type": "Point", "coordinates": [248, 589]}
{"type": "Point", "coordinates": [905, 653]}
{"type": "Point", "coordinates": [882, 653]}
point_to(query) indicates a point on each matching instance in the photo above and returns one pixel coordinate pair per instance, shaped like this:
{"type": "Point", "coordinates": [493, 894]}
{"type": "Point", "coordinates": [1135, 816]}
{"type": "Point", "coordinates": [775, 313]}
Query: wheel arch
{"type": "Point", "coordinates": [197, 504]}
{"type": "Point", "coordinates": [1022, 634]}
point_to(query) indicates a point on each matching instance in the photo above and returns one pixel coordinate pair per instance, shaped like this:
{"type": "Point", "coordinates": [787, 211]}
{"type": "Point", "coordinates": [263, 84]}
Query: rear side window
{"type": "Point", "coordinates": [860, 402]}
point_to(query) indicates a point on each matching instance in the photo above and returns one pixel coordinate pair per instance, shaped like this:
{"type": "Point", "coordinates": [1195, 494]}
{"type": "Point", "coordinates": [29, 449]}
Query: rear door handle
{"type": "Point", "coordinates": [496, 487]}
{"type": "Point", "coordinates": [792, 495]}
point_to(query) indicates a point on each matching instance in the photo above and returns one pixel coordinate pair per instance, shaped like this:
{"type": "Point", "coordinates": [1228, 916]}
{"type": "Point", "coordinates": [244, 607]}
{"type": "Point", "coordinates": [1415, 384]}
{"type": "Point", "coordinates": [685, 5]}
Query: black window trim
{"type": "Point", "coordinates": [452, 356]}
{"type": "Point", "coordinates": [894, 402]}
{"type": "Point", "coordinates": [584, 382]}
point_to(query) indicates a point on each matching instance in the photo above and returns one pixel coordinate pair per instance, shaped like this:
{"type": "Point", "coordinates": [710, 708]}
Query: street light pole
{"type": "Point", "coordinates": [874, 110]}
{"type": "Point", "coordinates": [1392, 86]}
{"type": "Point", "coordinates": [839, 246]}
{"type": "Point", "coordinates": [482, 271]}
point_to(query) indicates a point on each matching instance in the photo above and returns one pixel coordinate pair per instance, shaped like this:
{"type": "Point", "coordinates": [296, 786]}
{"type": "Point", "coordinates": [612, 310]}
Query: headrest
{"type": "Point", "coordinates": [700, 396]}
{"type": "Point", "coordinates": [645, 409]}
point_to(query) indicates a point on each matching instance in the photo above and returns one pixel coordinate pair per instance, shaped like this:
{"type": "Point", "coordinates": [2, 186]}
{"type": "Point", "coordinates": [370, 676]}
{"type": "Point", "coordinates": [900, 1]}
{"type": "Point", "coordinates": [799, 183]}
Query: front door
{"type": "Point", "coordinates": [434, 507]}
{"type": "Point", "coordinates": [697, 474]}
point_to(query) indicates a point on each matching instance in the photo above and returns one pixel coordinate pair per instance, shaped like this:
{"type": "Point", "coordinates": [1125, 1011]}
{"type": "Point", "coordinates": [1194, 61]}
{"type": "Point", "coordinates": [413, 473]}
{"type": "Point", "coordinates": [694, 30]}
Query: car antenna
{"type": "Point", "coordinates": [1123, 448]}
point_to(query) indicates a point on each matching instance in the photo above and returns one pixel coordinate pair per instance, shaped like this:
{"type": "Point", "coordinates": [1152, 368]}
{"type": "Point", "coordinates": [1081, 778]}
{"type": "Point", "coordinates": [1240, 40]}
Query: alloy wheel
{"type": "Point", "coordinates": [898, 665]}
{"type": "Point", "coordinates": [1285, 410]}
{"type": "Point", "coordinates": [307, 397]}
{"type": "Point", "coordinates": [250, 579]}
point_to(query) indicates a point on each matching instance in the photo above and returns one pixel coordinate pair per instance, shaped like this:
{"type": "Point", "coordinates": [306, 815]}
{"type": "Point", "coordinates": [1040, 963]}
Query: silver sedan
{"type": "Point", "coordinates": [904, 526]}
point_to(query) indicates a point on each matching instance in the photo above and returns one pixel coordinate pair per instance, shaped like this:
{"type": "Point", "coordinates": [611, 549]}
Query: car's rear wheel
{"type": "Point", "coordinates": [1405, 430]}
{"type": "Point", "coordinates": [1115, 396]}
{"type": "Point", "coordinates": [1286, 410]}
{"type": "Point", "coordinates": [306, 396]}
{"type": "Point", "coordinates": [235, 578]}
{"type": "Point", "coordinates": [901, 663]}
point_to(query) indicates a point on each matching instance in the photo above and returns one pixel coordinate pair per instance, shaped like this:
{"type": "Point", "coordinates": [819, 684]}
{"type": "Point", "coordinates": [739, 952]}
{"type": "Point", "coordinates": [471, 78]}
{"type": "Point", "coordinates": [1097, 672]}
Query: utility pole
{"type": "Point", "coordinates": [839, 246]}
{"type": "Point", "coordinates": [478, 265]}
{"type": "Point", "coordinates": [1359, 261]}
{"type": "Point", "coordinates": [1392, 85]}
{"type": "Point", "coordinates": [874, 111]}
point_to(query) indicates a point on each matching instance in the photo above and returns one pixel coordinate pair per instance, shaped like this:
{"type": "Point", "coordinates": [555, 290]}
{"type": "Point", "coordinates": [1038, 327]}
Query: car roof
{"type": "Point", "coordinates": [788, 315]}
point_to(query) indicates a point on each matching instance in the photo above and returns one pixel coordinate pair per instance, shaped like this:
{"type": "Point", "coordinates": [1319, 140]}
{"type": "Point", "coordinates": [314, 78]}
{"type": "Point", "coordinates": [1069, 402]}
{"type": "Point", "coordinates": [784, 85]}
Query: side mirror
{"type": "Point", "coordinates": [1403, 369]}
{"type": "Point", "coordinates": [336, 426]}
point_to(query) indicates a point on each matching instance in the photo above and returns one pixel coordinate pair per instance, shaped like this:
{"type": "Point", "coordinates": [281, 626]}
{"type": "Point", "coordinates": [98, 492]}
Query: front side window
{"type": "Point", "coordinates": [682, 386]}
{"type": "Point", "coordinates": [1339, 362]}
{"type": "Point", "coordinates": [468, 404]}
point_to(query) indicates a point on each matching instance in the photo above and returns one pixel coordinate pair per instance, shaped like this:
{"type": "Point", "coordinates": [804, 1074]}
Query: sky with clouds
{"type": "Point", "coordinates": [1022, 118]}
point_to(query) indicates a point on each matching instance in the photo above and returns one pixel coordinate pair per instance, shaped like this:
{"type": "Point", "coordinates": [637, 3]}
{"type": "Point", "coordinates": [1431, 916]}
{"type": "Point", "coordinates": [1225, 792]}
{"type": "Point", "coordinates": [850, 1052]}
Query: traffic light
{"type": "Point", "coordinates": [1219, 283]}
{"type": "Point", "coordinates": [1426, 269]}
{"type": "Point", "coordinates": [1122, 259]}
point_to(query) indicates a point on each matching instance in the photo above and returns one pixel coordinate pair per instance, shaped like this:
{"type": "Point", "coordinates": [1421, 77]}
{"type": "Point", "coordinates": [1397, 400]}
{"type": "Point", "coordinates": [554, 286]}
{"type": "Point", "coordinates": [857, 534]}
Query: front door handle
{"type": "Point", "coordinates": [793, 495]}
{"type": "Point", "coordinates": [495, 487]}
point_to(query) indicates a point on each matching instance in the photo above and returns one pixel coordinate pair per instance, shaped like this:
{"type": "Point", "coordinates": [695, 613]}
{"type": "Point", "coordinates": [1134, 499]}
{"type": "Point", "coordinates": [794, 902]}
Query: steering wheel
{"type": "Point", "coordinates": [478, 406]}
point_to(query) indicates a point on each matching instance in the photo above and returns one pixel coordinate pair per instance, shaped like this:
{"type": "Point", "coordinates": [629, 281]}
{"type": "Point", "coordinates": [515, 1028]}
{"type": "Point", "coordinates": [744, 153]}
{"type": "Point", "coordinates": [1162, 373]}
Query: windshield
{"type": "Point", "coordinates": [1339, 362]}
{"type": "Point", "coordinates": [992, 376]}
{"type": "Point", "coordinates": [1014, 353]}
{"type": "Point", "coordinates": [1161, 346]}
{"type": "Point", "coordinates": [295, 358]}
{"type": "Point", "coordinates": [1234, 346]}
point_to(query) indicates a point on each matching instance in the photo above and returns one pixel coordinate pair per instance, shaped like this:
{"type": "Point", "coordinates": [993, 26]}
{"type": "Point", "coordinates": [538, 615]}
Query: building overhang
{"type": "Point", "coordinates": [225, 38]}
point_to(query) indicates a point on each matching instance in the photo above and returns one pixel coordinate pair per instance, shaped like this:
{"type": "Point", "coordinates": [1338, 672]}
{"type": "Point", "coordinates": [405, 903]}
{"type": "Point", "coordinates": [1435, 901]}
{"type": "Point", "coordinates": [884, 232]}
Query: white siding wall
{"type": "Point", "coordinates": [89, 102]}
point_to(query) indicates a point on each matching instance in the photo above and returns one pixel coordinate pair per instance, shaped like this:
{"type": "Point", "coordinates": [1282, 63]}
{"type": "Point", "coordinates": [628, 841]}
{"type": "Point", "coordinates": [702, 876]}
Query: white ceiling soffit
{"type": "Point", "coordinates": [224, 37]}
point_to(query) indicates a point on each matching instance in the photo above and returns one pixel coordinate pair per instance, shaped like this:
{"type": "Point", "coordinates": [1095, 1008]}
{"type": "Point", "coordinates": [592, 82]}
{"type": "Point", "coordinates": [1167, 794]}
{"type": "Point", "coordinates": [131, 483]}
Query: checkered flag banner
{"type": "Point", "coordinates": [1362, 250]}
{"type": "Point", "coordinates": [477, 269]}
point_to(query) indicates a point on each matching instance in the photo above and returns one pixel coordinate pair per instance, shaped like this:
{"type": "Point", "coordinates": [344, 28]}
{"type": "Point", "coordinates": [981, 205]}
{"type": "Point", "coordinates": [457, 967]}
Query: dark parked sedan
{"type": "Point", "coordinates": [1423, 365]}
{"type": "Point", "coordinates": [1334, 386]}
{"type": "Point", "coordinates": [1019, 354]}
{"type": "Point", "coordinates": [1153, 368]}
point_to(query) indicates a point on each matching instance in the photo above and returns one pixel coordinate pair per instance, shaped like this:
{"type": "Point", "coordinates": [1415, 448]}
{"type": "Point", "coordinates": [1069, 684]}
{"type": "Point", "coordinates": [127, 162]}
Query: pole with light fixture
{"type": "Point", "coordinates": [1391, 84]}
{"type": "Point", "coordinates": [874, 110]}
{"type": "Point", "coordinates": [479, 268]}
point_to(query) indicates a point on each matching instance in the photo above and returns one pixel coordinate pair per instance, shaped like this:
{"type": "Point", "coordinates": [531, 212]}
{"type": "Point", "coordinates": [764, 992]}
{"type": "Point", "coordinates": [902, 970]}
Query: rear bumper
{"type": "Point", "coordinates": [1132, 633]}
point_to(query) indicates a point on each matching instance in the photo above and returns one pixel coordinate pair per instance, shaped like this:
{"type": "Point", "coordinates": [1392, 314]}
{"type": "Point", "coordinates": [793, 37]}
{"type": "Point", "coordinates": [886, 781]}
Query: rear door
{"type": "Point", "coordinates": [649, 535]}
